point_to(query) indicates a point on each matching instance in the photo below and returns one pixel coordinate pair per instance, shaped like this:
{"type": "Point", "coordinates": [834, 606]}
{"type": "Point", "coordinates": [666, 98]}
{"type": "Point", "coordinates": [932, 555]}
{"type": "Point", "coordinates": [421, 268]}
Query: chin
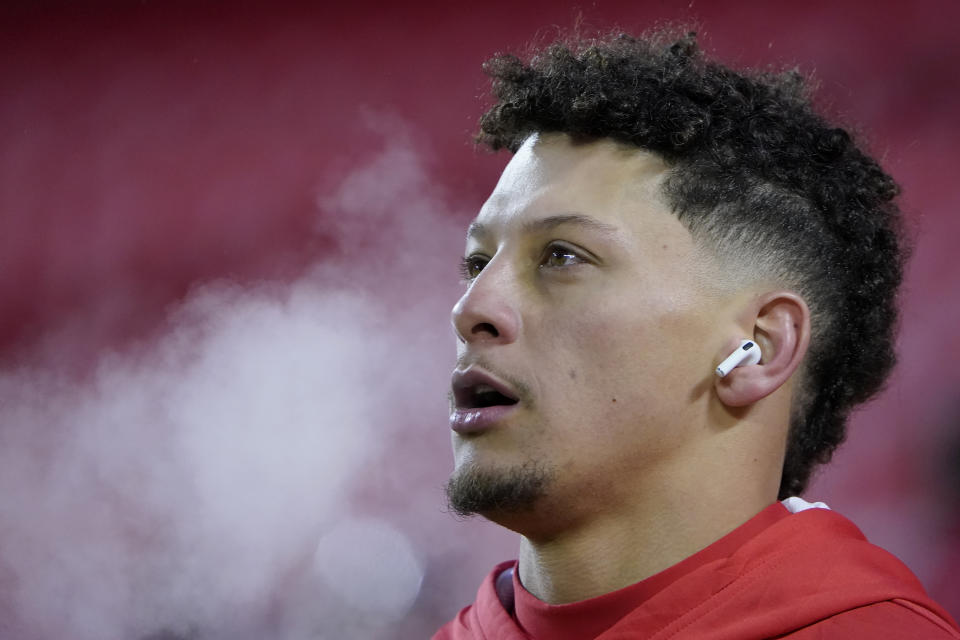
{"type": "Point", "coordinates": [495, 493]}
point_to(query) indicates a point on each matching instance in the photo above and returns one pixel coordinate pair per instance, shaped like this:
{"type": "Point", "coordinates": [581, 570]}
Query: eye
{"type": "Point", "coordinates": [471, 266]}
{"type": "Point", "coordinates": [558, 256]}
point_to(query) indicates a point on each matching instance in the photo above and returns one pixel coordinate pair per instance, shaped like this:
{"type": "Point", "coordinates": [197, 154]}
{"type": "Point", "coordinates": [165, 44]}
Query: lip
{"type": "Point", "coordinates": [465, 420]}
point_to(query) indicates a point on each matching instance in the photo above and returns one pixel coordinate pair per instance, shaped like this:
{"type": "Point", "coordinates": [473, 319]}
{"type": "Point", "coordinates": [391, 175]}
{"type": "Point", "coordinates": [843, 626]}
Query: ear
{"type": "Point", "coordinates": [781, 327]}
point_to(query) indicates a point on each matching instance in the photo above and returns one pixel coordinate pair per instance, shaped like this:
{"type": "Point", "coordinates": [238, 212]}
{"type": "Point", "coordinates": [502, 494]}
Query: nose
{"type": "Point", "coordinates": [487, 311]}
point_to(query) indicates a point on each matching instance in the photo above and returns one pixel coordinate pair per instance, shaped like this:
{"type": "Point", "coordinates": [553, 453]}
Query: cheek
{"type": "Point", "coordinates": [642, 360]}
{"type": "Point", "coordinates": [614, 342]}
{"type": "Point", "coordinates": [602, 365]}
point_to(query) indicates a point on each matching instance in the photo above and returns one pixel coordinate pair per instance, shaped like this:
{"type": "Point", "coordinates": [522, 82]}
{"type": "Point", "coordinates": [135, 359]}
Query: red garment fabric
{"type": "Point", "coordinates": [587, 619]}
{"type": "Point", "coordinates": [811, 575]}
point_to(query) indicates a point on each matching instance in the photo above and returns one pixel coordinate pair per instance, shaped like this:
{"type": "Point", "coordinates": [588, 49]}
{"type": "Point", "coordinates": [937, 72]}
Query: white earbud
{"type": "Point", "coordinates": [747, 353]}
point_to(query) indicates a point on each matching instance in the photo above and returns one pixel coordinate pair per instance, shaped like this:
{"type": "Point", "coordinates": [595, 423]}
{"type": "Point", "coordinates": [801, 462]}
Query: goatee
{"type": "Point", "coordinates": [475, 490]}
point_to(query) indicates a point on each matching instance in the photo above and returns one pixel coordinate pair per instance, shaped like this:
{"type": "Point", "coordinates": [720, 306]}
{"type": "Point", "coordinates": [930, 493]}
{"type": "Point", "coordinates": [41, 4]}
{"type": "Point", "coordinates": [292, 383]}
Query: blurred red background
{"type": "Point", "coordinates": [148, 146]}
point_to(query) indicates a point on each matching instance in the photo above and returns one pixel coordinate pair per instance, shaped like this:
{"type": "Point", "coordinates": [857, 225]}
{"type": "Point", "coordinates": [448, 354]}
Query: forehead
{"type": "Point", "coordinates": [557, 161]}
{"type": "Point", "coordinates": [614, 185]}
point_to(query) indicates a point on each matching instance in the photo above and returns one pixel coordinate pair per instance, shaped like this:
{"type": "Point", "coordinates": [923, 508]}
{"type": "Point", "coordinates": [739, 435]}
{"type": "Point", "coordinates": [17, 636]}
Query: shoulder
{"type": "Point", "coordinates": [833, 583]}
{"type": "Point", "coordinates": [810, 576]}
{"type": "Point", "coordinates": [889, 620]}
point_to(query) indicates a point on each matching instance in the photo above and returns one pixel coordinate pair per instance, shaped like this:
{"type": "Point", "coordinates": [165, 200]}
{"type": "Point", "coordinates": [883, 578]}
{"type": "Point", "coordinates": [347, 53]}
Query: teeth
{"type": "Point", "coordinates": [482, 395]}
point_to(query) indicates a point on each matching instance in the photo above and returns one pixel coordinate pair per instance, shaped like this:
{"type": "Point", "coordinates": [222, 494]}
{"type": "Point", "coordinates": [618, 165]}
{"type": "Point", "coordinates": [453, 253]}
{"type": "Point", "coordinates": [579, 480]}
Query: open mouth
{"type": "Point", "coordinates": [475, 389]}
{"type": "Point", "coordinates": [480, 396]}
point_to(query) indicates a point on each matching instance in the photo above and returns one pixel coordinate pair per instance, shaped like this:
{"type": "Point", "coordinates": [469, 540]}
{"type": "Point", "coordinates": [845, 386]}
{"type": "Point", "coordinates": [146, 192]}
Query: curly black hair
{"type": "Point", "coordinates": [752, 166]}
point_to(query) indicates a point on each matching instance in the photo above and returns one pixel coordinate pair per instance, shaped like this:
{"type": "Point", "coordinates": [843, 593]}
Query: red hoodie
{"type": "Point", "coordinates": [811, 575]}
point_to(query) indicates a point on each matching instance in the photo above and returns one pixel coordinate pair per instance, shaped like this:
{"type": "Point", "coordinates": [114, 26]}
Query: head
{"type": "Point", "coordinates": [658, 209]}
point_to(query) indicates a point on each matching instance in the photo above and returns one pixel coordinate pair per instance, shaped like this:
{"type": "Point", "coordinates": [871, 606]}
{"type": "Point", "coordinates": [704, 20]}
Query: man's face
{"type": "Point", "coordinates": [589, 305]}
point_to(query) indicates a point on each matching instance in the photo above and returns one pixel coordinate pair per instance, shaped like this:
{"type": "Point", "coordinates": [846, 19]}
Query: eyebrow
{"type": "Point", "coordinates": [551, 222]}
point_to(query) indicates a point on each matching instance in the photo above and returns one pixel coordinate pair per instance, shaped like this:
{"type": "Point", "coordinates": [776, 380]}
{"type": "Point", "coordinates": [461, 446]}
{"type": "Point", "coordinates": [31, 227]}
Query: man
{"type": "Point", "coordinates": [660, 213]}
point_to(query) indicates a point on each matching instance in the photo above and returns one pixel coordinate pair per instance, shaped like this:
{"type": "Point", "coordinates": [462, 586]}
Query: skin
{"type": "Point", "coordinates": [612, 322]}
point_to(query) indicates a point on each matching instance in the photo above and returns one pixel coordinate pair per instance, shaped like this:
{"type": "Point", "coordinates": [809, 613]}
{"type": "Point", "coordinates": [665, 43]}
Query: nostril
{"type": "Point", "coordinates": [486, 327]}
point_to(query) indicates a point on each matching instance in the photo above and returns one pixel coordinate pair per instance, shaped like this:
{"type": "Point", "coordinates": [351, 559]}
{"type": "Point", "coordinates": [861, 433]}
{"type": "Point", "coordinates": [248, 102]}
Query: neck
{"type": "Point", "coordinates": [610, 552]}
